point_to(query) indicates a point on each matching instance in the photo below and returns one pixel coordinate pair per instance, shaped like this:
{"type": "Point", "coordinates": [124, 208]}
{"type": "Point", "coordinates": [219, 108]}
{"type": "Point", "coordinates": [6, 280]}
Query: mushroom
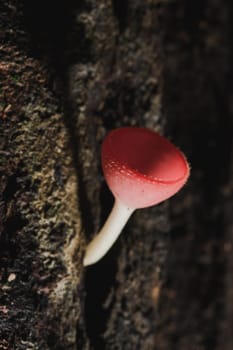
{"type": "Point", "coordinates": [142, 169]}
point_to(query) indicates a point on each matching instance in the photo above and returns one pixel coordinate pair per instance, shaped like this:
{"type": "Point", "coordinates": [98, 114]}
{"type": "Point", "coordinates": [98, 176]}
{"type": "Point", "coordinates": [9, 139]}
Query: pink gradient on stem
{"type": "Point", "coordinates": [141, 168]}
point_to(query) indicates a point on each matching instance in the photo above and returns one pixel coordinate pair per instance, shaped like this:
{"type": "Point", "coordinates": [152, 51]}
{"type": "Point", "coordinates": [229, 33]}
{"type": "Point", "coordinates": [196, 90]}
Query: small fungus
{"type": "Point", "coordinates": [142, 169]}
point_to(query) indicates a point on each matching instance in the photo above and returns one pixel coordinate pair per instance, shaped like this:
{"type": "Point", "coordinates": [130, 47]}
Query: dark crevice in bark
{"type": "Point", "coordinates": [100, 280]}
{"type": "Point", "coordinates": [48, 24]}
{"type": "Point", "coordinates": [120, 8]}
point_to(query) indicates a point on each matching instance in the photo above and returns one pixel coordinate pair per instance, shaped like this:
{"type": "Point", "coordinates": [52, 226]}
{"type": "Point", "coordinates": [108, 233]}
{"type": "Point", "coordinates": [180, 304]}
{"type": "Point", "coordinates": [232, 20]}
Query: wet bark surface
{"type": "Point", "coordinates": [69, 73]}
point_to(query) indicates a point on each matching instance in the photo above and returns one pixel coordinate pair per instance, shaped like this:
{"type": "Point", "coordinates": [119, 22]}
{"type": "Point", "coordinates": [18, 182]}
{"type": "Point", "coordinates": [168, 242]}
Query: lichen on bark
{"type": "Point", "coordinates": [40, 226]}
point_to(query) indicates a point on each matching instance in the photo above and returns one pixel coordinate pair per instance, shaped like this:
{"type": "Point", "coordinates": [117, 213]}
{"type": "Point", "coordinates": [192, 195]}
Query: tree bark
{"type": "Point", "coordinates": [69, 73]}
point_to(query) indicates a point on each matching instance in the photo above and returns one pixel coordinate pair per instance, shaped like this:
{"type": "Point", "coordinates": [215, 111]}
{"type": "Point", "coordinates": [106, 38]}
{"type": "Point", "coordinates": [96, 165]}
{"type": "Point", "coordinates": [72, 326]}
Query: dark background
{"type": "Point", "coordinates": [167, 284]}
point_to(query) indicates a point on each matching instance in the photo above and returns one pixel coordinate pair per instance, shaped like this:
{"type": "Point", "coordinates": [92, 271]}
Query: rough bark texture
{"type": "Point", "coordinates": [69, 72]}
{"type": "Point", "coordinates": [40, 236]}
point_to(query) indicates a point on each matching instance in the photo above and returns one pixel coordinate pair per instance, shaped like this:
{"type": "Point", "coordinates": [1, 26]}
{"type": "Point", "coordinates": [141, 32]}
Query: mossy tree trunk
{"type": "Point", "coordinates": [70, 72]}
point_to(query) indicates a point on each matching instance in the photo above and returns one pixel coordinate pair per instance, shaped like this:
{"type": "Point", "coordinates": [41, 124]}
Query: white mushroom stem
{"type": "Point", "coordinates": [109, 233]}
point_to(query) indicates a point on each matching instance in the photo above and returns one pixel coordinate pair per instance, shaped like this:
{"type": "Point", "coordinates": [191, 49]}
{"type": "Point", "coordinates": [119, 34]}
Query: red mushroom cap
{"type": "Point", "coordinates": [141, 167]}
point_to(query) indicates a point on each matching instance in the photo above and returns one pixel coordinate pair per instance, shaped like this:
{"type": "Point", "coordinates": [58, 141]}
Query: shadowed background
{"type": "Point", "coordinates": [69, 73]}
